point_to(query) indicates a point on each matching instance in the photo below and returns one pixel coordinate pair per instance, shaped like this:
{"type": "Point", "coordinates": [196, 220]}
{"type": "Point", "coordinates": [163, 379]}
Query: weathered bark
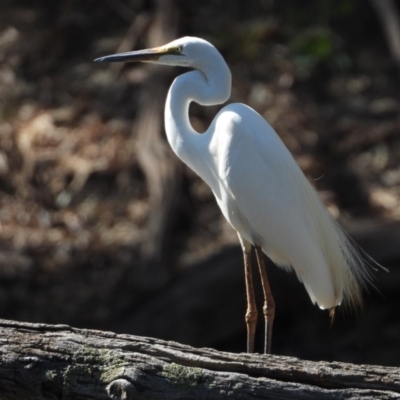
{"type": "Point", "coordinates": [40, 361]}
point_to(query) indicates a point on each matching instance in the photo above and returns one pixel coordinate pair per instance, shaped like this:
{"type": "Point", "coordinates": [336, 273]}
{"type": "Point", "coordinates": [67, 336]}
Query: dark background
{"type": "Point", "coordinates": [102, 227]}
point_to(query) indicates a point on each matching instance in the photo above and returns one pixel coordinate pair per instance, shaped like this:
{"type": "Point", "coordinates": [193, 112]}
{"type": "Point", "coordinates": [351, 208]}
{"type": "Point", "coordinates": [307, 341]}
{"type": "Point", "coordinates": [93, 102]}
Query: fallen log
{"type": "Point", "coordinates": [39, 361]}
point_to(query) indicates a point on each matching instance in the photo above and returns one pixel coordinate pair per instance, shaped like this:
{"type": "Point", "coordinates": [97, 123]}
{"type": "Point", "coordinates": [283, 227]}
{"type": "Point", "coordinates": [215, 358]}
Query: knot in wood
{"type": "Point", "coordinates": [121, 389]}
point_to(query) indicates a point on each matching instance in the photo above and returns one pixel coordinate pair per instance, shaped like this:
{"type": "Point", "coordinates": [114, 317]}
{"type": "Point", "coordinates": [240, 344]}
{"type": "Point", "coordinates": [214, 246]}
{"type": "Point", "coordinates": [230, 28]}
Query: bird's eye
{"type": "Point", "coordinates": [176, 50]}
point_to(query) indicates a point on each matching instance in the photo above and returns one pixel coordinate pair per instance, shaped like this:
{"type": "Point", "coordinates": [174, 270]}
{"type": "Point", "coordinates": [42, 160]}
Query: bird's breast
{"type": "Point", "coordinates": [231, 212]}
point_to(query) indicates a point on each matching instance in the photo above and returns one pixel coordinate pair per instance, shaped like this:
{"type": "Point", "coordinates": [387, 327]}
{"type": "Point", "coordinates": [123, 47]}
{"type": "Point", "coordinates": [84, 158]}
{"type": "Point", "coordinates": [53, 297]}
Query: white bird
{"type": "Point", "coordinates": [259, 187]}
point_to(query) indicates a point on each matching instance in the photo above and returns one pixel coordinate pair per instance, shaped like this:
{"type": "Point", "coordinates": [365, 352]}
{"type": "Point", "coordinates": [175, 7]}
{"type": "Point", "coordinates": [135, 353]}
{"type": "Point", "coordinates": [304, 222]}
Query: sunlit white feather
{"type": "Point", "coordinates": [257, 184]}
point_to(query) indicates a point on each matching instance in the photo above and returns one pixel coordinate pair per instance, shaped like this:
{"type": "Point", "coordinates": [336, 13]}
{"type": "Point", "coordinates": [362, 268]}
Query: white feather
{"type": "Point", "coordinates": [266, 197]}
{"type": "Point", "coordinates": [258, 185]}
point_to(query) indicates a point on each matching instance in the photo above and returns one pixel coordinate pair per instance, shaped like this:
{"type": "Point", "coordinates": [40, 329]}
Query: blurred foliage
{"type": "Point", "coordinates": [319, 12]}
{"type": "Point", "coordinates": [313, 39]}
{"type": "Point", "coordinates": [316, 46]}
{"type": "Point", "coordinates": [74, 200]}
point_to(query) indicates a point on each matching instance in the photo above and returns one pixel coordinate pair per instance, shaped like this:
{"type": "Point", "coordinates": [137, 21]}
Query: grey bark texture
{"type": "Point", "coordinates": [39, 361]}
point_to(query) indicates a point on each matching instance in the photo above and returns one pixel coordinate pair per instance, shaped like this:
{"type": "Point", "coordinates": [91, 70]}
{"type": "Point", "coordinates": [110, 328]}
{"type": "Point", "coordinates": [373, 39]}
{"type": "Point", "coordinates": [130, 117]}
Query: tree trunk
{"type": "Point", "coordinates": [390, 21]}
{"type": "Point", "coordinates": [159, 164]}
{"type": "Point", "coordinates": [40, 361]}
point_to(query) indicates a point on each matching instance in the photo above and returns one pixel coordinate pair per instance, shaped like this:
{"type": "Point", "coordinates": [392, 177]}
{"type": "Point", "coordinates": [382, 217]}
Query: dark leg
{"type": "Point", "coordinates": [269, 303]}
{"type": "Point", "coordinates": [251, 313]}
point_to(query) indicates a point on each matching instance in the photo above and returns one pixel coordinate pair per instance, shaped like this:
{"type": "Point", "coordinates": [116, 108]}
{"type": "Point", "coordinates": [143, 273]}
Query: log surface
{"type": "Point", "coordinates": [39, 361]}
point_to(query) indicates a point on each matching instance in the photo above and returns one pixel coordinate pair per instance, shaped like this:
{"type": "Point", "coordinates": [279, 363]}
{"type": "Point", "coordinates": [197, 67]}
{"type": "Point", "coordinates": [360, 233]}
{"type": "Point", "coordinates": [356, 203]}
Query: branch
{"type": "Point", "coordinates": [39, 361]}
{"type": "Point", "coordinates": [390, 21]}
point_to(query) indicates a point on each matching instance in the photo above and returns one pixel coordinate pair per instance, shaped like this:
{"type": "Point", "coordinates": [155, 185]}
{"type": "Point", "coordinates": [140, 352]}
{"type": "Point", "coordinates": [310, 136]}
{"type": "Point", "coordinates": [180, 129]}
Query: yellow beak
{"type": "Point", "coordinates": [141, 55]}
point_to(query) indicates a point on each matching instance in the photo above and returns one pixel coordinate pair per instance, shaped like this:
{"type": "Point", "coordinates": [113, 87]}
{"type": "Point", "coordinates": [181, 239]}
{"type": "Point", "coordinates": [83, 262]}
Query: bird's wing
{"type": "Point", "coordinates": [259, 173]}
{"type": "Point", "coordinates": [268, 200]}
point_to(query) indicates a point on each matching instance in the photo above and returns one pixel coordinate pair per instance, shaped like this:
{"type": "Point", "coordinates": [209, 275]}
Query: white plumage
{"type": "Point", "coordinates": [259, 187]}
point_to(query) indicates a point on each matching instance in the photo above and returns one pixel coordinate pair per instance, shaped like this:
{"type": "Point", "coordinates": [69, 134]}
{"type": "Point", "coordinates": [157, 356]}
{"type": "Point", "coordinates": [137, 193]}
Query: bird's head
{"type": "Point", "coordinates": [185, 52]}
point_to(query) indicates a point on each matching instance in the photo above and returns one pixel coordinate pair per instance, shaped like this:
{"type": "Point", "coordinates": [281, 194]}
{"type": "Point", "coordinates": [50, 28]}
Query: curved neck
{"type": "Point", "coordinates": [211, 85]}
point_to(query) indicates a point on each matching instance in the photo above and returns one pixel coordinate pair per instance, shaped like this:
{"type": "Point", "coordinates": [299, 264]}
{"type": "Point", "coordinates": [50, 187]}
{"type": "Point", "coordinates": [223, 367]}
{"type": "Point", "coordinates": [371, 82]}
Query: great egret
{"type": "Point", "coordinates": [259, 187]}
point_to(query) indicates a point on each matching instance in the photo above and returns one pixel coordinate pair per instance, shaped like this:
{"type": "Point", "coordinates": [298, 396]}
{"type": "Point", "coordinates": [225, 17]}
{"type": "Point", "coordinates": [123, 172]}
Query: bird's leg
{"type": "Point", "coordinates": [269, 303]}
{"type": "Point", "coordinates": [251, 313]}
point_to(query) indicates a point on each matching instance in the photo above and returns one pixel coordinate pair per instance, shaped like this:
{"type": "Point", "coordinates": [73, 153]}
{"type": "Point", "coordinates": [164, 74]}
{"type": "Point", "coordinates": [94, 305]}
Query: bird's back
{"type": "Point", "coordinates": [265, 196]}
